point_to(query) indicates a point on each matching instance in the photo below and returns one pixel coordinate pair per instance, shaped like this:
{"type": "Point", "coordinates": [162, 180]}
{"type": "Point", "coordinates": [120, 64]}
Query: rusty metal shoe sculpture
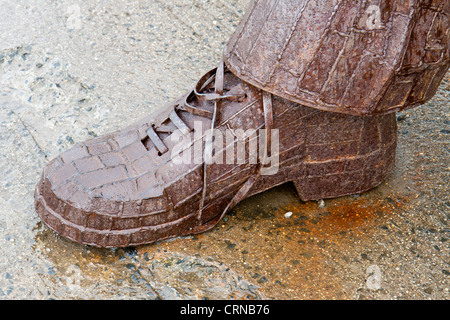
{"type": "Point", "coordinates": [127, 189]}
{"type": "Point", "coordinates": [141, 184]}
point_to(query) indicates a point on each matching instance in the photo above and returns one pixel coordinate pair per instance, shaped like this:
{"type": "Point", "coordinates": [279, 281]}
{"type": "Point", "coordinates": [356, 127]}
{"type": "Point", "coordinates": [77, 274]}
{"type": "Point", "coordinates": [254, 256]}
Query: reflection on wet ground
{"type": "Point", "coordinates": [257, 251]}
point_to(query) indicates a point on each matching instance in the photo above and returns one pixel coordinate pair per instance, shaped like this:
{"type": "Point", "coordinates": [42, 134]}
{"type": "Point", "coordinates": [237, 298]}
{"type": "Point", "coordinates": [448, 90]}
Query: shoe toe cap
{"type": "Point", "coordinates": [80, 193]}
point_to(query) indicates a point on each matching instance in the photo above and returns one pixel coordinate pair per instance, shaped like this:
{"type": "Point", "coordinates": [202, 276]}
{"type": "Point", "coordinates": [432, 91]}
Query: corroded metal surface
{"type": "Point", "coordinates": [355, 57]}
{"type": "Point", "coordinates": [122, 189]}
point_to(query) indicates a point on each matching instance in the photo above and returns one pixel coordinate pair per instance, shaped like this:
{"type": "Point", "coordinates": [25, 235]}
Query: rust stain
{"type": "Point", "coordinates": [302, 257]}
{"type": "Point", "coordinates": [297, 257]}
{"type": "Point", "coordinates": [351, 215]}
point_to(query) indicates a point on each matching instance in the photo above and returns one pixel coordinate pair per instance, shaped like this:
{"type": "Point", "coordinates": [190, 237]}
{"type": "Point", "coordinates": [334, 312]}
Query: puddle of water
{"type": "Point", "coordinates": [303, 256]}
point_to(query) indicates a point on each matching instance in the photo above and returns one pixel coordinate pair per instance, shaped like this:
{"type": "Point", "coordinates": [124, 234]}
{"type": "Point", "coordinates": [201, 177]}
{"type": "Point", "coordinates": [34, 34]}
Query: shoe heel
{"type": "Point", "coordinates": [319, 187]}
{"type": "Point", "coordinates": [301, 187]}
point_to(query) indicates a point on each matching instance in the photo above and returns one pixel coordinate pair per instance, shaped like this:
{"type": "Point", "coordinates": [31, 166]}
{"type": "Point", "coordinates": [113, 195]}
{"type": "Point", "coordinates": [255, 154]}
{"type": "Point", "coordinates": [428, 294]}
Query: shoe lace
{"type": "Point", "coordinates": [200, 92]}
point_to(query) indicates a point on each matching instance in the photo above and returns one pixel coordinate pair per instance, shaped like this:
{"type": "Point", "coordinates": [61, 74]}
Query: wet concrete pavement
{"type": "Point", "coordinates": [71, 70]}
